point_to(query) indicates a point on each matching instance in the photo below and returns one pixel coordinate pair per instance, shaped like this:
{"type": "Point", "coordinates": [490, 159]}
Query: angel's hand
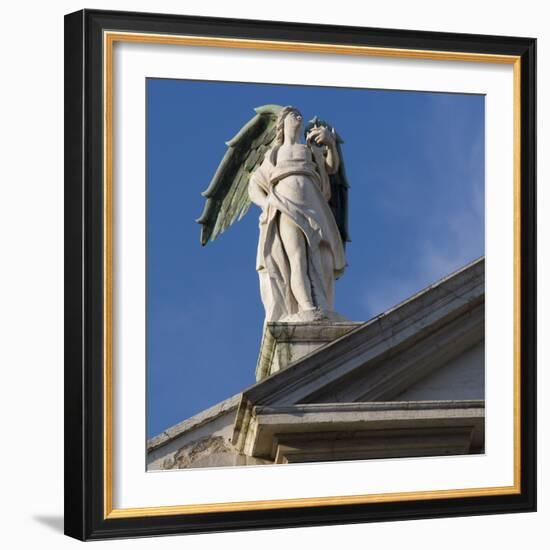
{"type": "Point", "coordinates": [321, 135]}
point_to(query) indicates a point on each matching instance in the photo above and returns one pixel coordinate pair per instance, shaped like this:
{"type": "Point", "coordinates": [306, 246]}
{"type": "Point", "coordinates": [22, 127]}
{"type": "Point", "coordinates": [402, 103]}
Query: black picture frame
{"type": "Point", "coordinates": [85, 495]}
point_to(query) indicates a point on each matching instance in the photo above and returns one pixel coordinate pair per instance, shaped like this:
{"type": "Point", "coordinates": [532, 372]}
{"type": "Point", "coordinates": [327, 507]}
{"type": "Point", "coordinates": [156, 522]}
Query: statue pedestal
{"type": "Point", "coordinates": [285, 343]}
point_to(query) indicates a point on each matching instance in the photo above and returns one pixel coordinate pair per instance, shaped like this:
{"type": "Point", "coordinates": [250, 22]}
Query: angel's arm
{"type": "Point", "coordinates": [323, 136]}
{"type": "Point", "coordinates": [332, 159]}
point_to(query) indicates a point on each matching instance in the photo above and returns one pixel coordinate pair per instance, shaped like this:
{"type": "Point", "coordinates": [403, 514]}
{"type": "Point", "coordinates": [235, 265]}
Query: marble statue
{"type": "Point", "coordinates": [301, 189]}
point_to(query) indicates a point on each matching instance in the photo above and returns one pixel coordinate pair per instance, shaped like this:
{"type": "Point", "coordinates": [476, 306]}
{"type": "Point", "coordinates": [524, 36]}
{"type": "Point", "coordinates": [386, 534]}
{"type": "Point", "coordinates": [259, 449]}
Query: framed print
{"type": "Point", "coordinates": [300, 274]}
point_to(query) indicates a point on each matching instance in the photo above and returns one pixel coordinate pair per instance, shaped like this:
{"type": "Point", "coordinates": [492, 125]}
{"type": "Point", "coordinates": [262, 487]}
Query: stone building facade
{"type": "Point", "coordinates": [409, 382]}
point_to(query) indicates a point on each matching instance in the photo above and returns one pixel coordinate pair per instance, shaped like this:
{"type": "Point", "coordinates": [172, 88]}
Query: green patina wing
{"type": "Point", "coordinates": [339, 184]}
{"type": "Point", "coordinates": [227, 195]}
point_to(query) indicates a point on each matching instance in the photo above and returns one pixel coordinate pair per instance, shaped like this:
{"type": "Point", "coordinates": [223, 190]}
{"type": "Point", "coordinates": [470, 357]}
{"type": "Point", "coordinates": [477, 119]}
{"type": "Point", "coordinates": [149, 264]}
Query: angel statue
{"type": "Point", "coordinates": [302, 190]}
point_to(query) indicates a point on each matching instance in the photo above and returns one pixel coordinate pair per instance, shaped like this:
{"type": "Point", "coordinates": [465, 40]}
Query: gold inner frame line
{"type": "Point", "coordinates": [109, 39]}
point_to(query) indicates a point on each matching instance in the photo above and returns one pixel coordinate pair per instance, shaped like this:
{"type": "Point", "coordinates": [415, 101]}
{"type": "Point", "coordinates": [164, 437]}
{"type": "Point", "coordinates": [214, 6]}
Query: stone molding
{"type": "Point", "coordinates": [362, 430]}
{"type": "Point", "coordinates": [285, 343]}
{"type": "Point", "coordinates": [460, 295]}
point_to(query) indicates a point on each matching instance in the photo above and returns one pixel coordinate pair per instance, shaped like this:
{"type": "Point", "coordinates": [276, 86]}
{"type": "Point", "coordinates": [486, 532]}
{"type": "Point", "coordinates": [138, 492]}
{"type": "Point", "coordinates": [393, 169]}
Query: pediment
{"type": "Point", "coordinates": [407, 383]}
{"type": "Point", "coordinates": [379, 361]}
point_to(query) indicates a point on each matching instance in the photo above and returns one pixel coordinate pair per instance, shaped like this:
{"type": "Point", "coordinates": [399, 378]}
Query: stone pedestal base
{"type": "Point", "coordinates": [285, 343]}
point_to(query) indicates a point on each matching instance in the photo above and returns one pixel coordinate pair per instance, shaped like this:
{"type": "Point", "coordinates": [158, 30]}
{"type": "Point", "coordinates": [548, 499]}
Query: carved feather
{"type": "Point", "coordinates": [227, 194]}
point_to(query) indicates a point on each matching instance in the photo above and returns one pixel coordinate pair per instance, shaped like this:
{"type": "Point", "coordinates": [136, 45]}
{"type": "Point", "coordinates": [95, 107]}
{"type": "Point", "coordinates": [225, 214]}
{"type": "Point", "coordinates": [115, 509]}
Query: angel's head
{"type": "Point", "coordinates": [289, 123]}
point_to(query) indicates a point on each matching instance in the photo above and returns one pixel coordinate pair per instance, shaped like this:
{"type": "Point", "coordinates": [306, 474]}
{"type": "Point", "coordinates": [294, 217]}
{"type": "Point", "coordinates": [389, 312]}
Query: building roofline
{"type": "Point", "coordinates": [398, 327]}
{"type": "Point", "coordinates": [449, 285]}
{"type": "Point", "coordinates": [194, 422]}
{"type": "Point", "coordinates": [452, 294]}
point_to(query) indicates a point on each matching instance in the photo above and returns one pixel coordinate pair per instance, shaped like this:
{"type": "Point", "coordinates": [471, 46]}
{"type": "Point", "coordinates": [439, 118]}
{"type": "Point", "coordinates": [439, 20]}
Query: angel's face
{"type": "Point", "coordinates": [293, 123]}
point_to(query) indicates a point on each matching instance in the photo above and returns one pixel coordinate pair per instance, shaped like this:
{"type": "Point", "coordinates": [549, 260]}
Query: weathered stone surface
{"type": "Point", "coordinates": [368, 445]}
{"type": "Point", "coordinates": [300, 246]}
{"type": "Point", "coordinates": [407, 383]}
{"type": "Point", "coordinates": [301, 189]}
{"type": "Point", "coordinates": [365, 430]}
{"type": "Point", "coordinates": [208, 452]}
{"type": "Point", "coordinates": [213, 422]}
{"type": "Point", "coordinates": [458, 298]}
{"type": "Point", "coordinates": [463, 377]}
{"type": "Point", "coordinates": [193, 423]}
{"type": "Point", "coordinates": [386, 376]}
{"type": "Point", "coordinates": [286, 343]}
{"type": "Point", "coordinates": [203, 448]}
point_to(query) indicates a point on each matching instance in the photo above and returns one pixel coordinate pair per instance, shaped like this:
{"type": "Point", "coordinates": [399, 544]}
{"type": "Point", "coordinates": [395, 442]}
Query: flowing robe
{"type": "Point", "coordinates": [299, 188]}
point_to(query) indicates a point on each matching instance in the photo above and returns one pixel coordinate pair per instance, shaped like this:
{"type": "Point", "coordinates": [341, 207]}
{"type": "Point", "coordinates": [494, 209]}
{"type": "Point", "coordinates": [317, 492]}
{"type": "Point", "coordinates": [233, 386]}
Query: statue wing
{"type": "Point", "coordinates": [339, 184]}
{"type": "Point", "coordinates": [227, 195]}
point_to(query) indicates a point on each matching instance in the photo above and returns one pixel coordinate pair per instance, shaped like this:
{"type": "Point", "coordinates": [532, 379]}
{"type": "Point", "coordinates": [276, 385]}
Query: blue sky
{"type": "Point", "coordinates": [415, 162]}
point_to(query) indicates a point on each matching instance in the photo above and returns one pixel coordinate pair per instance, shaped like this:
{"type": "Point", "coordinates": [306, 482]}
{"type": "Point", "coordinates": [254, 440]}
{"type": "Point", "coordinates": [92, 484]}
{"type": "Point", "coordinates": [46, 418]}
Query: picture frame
{"type": "Point", "coordinates": [90, 161]}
